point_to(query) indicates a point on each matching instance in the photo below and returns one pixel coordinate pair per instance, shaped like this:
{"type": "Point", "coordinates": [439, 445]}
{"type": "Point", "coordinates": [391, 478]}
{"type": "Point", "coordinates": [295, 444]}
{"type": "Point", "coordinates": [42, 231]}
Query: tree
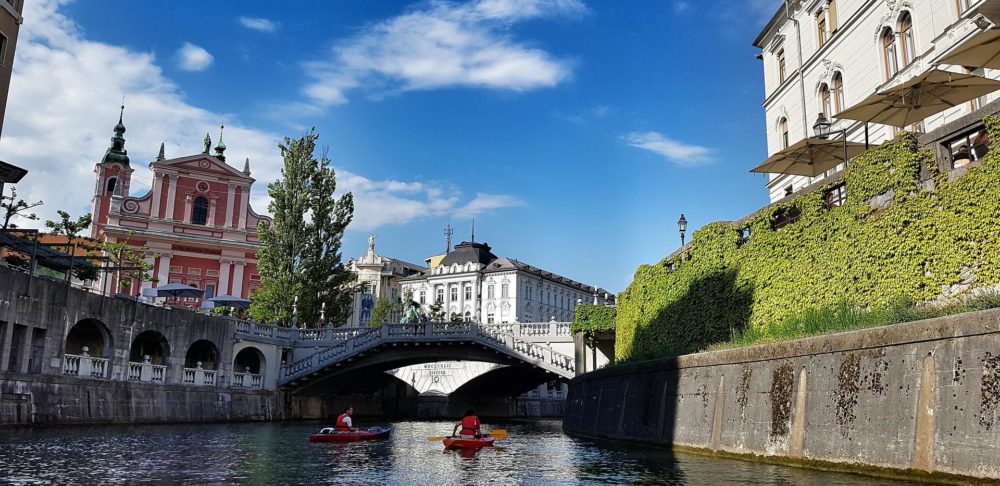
{"type": "Point", "coordinates": [68, 227]}
{"type": "Point", "coordinates": [381, 312]}
{"type": "Point", "coordinates": [437, 311]}
{"type": "Point", "coordinates": [300, 250]}
{"type": "Point", "coordinates": [11, 206]}
{"type": "Point", "coordinates": [128, 263]}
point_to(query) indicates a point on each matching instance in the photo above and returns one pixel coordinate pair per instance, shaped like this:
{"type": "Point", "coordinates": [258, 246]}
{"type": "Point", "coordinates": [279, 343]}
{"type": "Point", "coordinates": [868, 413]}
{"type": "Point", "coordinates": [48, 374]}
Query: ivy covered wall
{"type": "Point", "coordinates": [592, 319]}
{"type": "Point", "coordinates": [889, 240]}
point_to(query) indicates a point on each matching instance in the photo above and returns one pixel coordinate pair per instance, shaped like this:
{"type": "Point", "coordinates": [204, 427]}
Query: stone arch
{"type": "Point", "coordinates": [149, 343]}
{"type": "Point", "coordinates": [92, 334]}
{"type": "Point", "coordinates": [250, 358]}
{"type": "Point", "coordinates": [202, 351]}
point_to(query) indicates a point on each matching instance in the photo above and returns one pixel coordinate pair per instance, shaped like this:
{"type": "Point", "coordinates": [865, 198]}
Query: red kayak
{"type": "Point", "coordinates": [330, 435]}
{"type": "Point", "coordinates": [460, 443]}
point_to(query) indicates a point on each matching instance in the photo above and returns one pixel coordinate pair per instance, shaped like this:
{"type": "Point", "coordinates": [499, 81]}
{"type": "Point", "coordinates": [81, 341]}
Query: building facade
{"type": "Point", "coordinates": [473, 284]}
{"type": "Point", "coordinates": [10, 24]}
{"type": "Point", "coordinates": [196, 221]}
{"type": "Point", "coordinates": [823, 56]}
{"type": "Point", "coordinates": [380, 278]}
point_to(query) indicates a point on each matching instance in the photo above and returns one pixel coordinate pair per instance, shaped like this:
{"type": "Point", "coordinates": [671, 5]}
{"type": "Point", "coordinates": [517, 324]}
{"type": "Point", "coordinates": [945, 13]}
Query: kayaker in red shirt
{"type": "Point", "coordinates": [469, 426]}
{"type": "Point", "coordinates": [344, 421]}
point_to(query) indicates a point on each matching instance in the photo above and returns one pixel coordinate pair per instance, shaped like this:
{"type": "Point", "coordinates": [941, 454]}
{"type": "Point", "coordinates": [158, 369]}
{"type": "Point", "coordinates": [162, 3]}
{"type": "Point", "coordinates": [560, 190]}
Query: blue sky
{"type": "Point", "coordinates": [574, 132]}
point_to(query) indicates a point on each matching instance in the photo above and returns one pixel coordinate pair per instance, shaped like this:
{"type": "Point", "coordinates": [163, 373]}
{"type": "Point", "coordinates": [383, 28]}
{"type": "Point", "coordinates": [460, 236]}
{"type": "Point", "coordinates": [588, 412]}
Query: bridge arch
{"type": "Point", "coordinates": [91, 334]}
{"type": "Point", "coordinates": [505, 382]}
{"type": "Point", "coordinates": [250, 360]}
{"type": "Point", "coordinates": [202, 351]}
{"type": "Point", "coordinates": [149, 343]}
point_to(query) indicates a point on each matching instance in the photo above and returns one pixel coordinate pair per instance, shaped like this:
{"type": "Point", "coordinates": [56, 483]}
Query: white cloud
{"type": "Point", "coordinates": [681, 7]}
{"type": "Point", "coordinates": [262, 25]}
{"type": "Point", "coordinates": [678, 152]}
{"type": "Point", "coordinates": [443, 44]}
{"type": "Point", "coordinates": [193, 58]}
{"type": "Point", "coordinates": [64, 100]}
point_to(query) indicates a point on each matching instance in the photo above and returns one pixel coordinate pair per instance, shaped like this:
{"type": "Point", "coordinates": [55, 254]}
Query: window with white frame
{"type": "Point", "coordinates": [889, 52]}
{"type": "Point", "coordinates": [490, 291]}
{"type": "Point", "coordinates": [908, 46]}
{"type": "Point", "coordinates": [504, 290]}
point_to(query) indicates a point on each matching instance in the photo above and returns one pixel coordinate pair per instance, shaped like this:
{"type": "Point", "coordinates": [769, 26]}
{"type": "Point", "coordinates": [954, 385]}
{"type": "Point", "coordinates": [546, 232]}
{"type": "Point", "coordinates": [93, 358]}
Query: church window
{"type": "Point", "coordinates": [200, 213]}
{"type": "Point", "coordinates": [112, 184]}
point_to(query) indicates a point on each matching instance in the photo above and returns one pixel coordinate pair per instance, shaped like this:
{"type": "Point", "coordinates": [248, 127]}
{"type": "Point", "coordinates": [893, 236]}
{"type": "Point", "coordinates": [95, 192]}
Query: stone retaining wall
{"type": "Point", "coordinates": [910, 398]}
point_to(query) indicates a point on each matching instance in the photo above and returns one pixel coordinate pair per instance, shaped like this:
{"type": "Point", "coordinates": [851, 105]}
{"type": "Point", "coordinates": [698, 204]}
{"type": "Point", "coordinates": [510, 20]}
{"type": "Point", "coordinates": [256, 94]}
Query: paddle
{"type": "Point", "coordinates": [495, 433]}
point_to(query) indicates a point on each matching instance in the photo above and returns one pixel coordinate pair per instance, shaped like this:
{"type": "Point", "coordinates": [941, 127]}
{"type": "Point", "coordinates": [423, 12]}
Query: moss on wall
{"type": "Point", "coordinates": [915, 245]}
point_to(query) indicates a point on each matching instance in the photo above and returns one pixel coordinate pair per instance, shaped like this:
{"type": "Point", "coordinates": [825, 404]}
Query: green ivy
{"type": "Point", "coordinates": [590, 318]}
{"type": "Point", "coordinates": [857, 254]}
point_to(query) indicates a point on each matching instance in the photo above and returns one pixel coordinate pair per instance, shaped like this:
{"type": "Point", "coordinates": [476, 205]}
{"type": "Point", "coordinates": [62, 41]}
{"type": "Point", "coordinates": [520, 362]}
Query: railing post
{"type": "Point", "coordinates": [516, 329]}
{"type": "Point", "coordinates": [384, 331]}
{"type": "Point", "coordinates": [553, 328]}
{"type": "Point", "coordinates": [429, 330]}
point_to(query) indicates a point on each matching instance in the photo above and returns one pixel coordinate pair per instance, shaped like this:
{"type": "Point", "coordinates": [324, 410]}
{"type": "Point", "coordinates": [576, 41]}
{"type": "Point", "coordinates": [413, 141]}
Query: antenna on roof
{"type": "Point", "coordinates": [448, 231]}
{"type": "Point", "coordinates": [473, 230]}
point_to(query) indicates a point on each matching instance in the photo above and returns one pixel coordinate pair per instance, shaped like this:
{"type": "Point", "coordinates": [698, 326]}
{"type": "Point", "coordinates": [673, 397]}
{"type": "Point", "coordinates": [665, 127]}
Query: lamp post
{"type": "Point", "coordinates": [682, 225]}
{"type": "Point", "coordinates": [822, 130]}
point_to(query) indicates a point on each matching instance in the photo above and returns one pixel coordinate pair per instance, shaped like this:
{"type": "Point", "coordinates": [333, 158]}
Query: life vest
{"type": "Point", "coordinates": [341, 425]}
{"type": "Point", "coordinates": [470, 424]}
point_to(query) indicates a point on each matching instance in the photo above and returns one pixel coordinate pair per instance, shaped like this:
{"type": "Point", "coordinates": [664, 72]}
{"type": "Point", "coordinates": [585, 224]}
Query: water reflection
{"type": "Point", "coordinates": [535, 453]}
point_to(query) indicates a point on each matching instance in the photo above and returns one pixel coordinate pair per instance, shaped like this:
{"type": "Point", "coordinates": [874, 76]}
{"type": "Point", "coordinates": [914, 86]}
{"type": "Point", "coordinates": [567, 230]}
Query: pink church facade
{"type": "Point", "coordinates": [196, 221]}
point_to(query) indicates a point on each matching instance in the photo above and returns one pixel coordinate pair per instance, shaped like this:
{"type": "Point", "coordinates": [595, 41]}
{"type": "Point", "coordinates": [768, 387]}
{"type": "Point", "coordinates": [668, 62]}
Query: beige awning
{"type": "Point", "coordinates": [982, 50]}
{"type": "Point", "coordinates": [923, 96]}
{"type": "Point", "coordinates": [810, 157]}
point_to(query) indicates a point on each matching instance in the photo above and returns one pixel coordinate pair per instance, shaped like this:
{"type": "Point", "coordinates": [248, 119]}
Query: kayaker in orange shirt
{"type": "Point", "coordinates": [469, 425]}
{"type": "Point", "coordinates": [344, 423]}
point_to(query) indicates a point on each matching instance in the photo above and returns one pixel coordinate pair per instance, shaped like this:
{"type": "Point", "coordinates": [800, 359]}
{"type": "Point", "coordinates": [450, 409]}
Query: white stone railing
{"type": "Point", "coordinates": [199, 376]}
{"type": "Point", "coordinates": [146, 371]}
{"type": "Point", "coordinates": [247, 380]}
{"type": "Point", "coordinates": [84, 365]}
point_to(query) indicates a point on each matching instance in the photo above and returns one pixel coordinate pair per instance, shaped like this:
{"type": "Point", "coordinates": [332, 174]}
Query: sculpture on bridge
{"type": "Point", "coordinates": [411, 314]}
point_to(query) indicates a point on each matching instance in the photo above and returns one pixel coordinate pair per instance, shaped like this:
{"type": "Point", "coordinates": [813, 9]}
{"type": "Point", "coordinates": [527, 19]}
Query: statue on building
{"type": "Point", "coordinates": [371, 243]}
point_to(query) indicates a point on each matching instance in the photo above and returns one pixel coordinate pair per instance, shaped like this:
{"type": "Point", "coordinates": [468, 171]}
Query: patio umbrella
{"type": "Point", "coordinates": [923, 96]}
{"type": "Point", "coordinates": [810, 157]}
{"type": "Point", "coordinates": [981, 50]}
{"type": "Point", "coordinates": [177, 290]}
{"type": "Point", "coordinates": [230, 301]}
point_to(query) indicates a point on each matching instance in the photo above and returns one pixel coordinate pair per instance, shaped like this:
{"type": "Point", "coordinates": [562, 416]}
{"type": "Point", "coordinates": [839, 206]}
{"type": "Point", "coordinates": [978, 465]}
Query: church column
{"type": "Point", "coordinates": [171, 193]}
{"type": "Point", "coordinates": [211, 211]}
{"type": "Point", "coordinates": [238, 279]}
{"type": "Point", "coordinates": [163, 272]}
{"type": "Point", "coordinates": [154, 209]}
{"type": "Point", "coordinates": [224, 277]}
{"type": "Point", "coordinates": [230, 198]}
{"type": "Point", "coordinates": [244, 203]}
{"type": "Point", "coordinates": [187, 208]}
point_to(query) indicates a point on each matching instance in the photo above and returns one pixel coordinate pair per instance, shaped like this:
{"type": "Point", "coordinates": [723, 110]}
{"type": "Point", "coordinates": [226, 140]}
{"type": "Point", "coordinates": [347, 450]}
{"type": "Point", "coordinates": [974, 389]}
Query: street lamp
{"type": "Point", "coordinates": [682, 225]}
{"type": "Point", "coordinates": [822, 131]}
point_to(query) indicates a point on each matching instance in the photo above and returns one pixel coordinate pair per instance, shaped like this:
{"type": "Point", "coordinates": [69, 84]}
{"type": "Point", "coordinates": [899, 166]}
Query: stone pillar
{"type": "Point", "coordinates": [213, 202]}
{"type": "Point", "coordinates": [238, 279]}
{"type": "Point", "coordinates": [163, 272]}
{"type": "Point", "coordinates": [580, 353]}
{"type": "Point", "coordinates": [154, 210]}
{"type": "Point", "coordinates": [244, 203]}
{"type": "Point", "coordinates": [168, 213]}
{"type": "Point", "coordinates": [230, 198]}
{"type": "Point", "coordinates": [151, 261]}
{"type": "Point", "coordinates": [224, 277]}
{"type": "Point", "coordinates": [187, 208]}
{"type": "Point", "coordinates": [24, 354]}
{"type": "Point", "coordinates": [5, 342]}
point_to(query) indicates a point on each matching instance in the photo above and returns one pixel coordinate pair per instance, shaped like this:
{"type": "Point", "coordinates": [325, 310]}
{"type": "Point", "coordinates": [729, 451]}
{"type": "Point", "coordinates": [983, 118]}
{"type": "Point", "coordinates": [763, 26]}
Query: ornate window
{"type": "Point", "coordinates": [889, 53]}
{"type": "Point", "coordinates": [783, 132]}
{"type": "Point", "coordinates": [838, 92]}
{"type": "Point", "coordinates": [824, 101]}
{"type": "Point", "coordinates": [504, 288]}
{"type": "Point", "coordinates": [781, 66]}
{"type": "Point", "coordinates": [112, 184]}
{"type": "Point", "coordinates": [200, 213]}
{"type": "Point", "coordinates": [909, 48]}
{"type": "Point", "coordinates": [821, 27]}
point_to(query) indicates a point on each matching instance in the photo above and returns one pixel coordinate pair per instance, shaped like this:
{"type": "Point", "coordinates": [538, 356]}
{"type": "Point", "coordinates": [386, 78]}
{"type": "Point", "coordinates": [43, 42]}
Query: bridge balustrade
{"type": "Point", "coordinates": [199, 376]}
{"type": "Point", "coordinates": [146, 372]}
{"type": "Point", "coordinates": [247, 380]}
{"type": "Point", "coordinates": [84, 365]}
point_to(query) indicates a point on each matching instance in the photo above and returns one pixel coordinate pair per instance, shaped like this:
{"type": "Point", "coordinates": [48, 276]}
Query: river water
{"type": "Point", "coordinates": [534, 453]}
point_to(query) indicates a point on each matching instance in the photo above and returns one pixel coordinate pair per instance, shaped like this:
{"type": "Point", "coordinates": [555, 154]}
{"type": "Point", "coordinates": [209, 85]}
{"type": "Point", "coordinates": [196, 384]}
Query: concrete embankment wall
{"type": "Point", "coordinates": [914, 397]}
{"type": "Point", "coordinates": [56, 400]}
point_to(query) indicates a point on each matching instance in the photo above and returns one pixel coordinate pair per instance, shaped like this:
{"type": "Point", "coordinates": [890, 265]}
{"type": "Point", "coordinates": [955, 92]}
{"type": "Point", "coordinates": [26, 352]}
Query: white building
{"type": "Point", "coordinates": [473, 284]}
{"type": "Point", "coordinates": [822, 56]}
{"type": "Point", "coordinates": [380, 277]}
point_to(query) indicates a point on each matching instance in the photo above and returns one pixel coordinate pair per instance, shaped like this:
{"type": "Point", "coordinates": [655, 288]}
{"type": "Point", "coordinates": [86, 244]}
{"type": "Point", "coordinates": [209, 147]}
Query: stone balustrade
{"type": "Point", "coordinates": [146, 371]}
{"type": "Point", "coordinates": [85, 366]}
{"type": "Point", "coordinates": [199, 376]}
{"type": "Point", "coordinates": [247, 380]}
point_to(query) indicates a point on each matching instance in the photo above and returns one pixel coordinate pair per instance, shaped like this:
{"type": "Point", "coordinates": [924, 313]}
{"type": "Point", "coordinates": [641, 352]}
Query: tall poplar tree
{"type": "Point", "coordinates": [300, 255]}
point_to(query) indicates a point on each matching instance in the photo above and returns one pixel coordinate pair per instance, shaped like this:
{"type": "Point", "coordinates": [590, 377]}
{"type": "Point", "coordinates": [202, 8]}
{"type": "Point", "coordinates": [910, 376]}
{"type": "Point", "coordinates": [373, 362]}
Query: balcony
{"type": "Point", "coordinates": [146, 372]}
{"type": "Point", "coordinates": [85, 366]}
{"type": "Point", "coordinates": [199, 376]}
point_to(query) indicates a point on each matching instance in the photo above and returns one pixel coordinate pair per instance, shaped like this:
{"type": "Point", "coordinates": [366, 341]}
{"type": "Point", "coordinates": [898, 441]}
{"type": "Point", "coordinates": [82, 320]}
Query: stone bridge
{"type": "Point", "coordinates": [528, 345]}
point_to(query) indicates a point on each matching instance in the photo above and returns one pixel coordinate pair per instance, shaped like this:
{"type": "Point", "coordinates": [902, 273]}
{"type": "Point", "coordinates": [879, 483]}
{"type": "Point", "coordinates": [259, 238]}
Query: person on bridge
{"type": "Point", "coordinates": [344, 423]}
{"type": "Point", "coordinates": [469, 425]}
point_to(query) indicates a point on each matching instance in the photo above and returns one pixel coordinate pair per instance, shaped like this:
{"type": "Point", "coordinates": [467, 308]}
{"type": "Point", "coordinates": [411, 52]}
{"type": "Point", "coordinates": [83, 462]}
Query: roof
{"type": "Point", "coordinates": [770, 25]}
{"type": "Point", "coordinates": [507, 264]}
{"type": "Point", "coordinates": [46, 255]}
{"type": "Point", "coordinates": [469, 252]}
